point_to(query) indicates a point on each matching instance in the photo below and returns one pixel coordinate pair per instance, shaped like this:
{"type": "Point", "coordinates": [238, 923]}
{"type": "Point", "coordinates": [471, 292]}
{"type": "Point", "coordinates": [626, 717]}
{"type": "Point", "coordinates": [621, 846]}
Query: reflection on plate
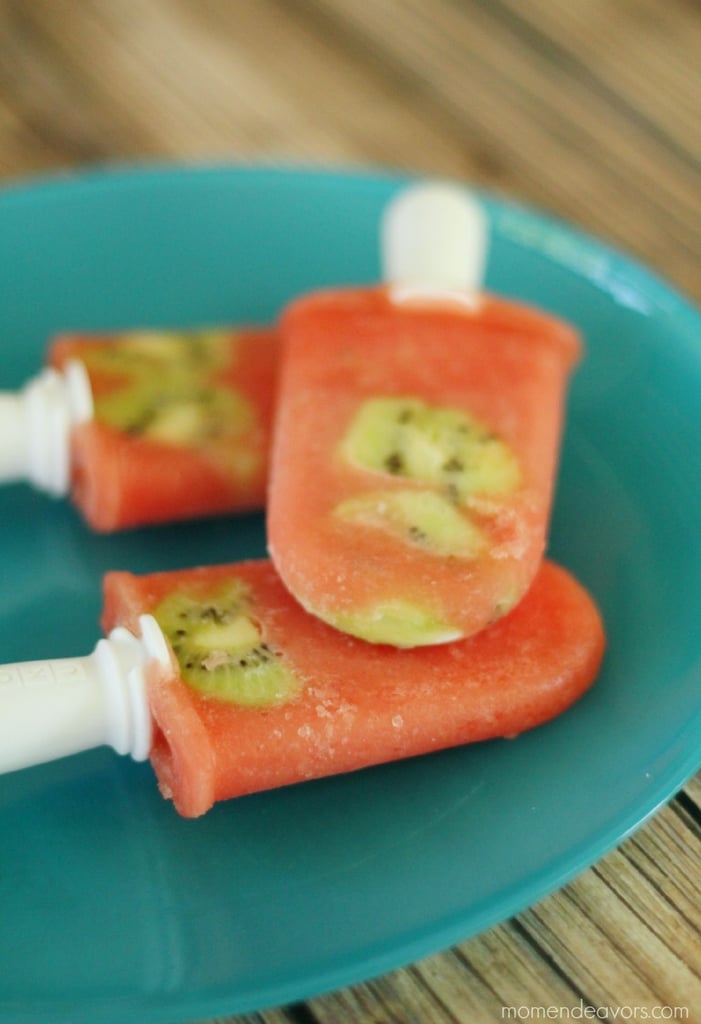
{"type": "Point", "coordinates": [113, 907]}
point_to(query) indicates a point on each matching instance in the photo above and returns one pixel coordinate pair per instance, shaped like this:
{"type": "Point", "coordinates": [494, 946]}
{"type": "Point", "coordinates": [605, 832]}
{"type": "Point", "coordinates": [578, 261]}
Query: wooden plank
{"type": "Point", "coordinates": [621, 936]}
{"type": "Point", "coordinates": [509, 970]}
{"type": "Point", "coordinates": [456, 91]}
{"type": "Point", "coordinates": [550, 138]}
{"type": "Point", "coordinates": [639, 52]}
{"type": "Point", "coordinates": [174, 84]}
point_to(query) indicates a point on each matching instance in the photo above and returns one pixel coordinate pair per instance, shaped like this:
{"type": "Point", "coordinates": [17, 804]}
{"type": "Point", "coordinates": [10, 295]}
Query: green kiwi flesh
{"type": "Point", "coordinates": [221, 650]}
{"type": "Point", "coordinates": [141, 353]}
{"type": "Point", "coordinates": [180, 414]}
{"type": "Point", "coordinates": [442, 447]}
{"type": "Point", "coordinates": [168, 393]}
{"type": "Point", "coordinates": [424, 519]}
{"type": "Point", "coordinates": [399, 623]}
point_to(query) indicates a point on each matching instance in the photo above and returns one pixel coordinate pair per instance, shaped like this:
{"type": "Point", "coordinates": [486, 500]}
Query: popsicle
{"type": "Point", "coordinates": [148, 426]}
{"type": "Point", "coordinates": [231, 688]}
{"type": "Point", "coordinates": [417, 436]}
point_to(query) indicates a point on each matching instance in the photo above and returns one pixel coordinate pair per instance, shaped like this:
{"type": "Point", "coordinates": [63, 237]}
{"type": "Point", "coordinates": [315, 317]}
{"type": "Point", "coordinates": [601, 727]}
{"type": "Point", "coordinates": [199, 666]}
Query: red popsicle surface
{"type": "Point", "coordinates": [264, 695]}
{"type": "Point", "coordinates": [413, 461]}
{"type": "Point", "coordinates": [181, 428]}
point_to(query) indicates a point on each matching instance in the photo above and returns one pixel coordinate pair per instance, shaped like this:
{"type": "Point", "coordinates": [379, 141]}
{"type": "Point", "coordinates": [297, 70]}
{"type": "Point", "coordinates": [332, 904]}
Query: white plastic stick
{"type": "Point", "coordinates": [434, 244]}
{"type": "Point", "coordinates": [35, 427]}
{"type": "Point", "coordinates": [49, 709]}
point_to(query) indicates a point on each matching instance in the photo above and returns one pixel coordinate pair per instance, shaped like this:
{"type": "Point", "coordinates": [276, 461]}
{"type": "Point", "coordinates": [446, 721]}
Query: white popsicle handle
{"type": "Point", "coordinates": [434, 240]}
{"type": "Point", "coordinates": [49, 709]}
{"type": "Point", "coordinates": [35, 427]}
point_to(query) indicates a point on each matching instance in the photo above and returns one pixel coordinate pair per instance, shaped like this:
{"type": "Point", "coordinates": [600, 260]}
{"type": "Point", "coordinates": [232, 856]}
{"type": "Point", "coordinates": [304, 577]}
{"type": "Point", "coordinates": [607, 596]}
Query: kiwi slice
{"type": "Point", "coordinates": [139, 354]}
{"type": "Point", "coordinates": [179, 421]}
{"type": "Point", "coordinates": [176, 413]}
{"type": "Point", "coordinates": [399, 623]}
{"type": "Point", "coordinates": [167, 390]}
{"type": "Point", "coordinates": [220, 647]}
{"type": "Point", "coordinates": [424, 519]}
{"type": "Point", "coordinates": [439, 446]}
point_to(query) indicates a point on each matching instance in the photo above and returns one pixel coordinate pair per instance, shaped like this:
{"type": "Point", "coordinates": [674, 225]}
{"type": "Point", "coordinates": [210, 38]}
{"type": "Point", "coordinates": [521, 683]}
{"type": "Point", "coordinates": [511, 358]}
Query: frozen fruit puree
{"type": "Point", "coordinates": [414, 456]}
{"type": "Point", "coordinates": [260, 694]}
{"type": "Point", "coordinates": [181, 425]}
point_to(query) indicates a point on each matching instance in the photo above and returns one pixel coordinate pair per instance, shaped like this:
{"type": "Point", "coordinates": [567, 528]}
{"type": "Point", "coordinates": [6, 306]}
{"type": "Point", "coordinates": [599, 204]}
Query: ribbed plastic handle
{"type": "Point", "coordinates": [434, 241]}
{"type": "Point", "coordinates": [49, 709]}
{"type": "Point", "coordinates": [36, 424]}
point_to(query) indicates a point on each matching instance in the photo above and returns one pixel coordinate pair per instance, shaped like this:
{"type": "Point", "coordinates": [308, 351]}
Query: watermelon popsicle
{"type": "Point", "coordinates": [147, 426]}
{"type": "Point", "coordinates": [417, 436]}
{"type": "Point", "coordinates": [232, 688]}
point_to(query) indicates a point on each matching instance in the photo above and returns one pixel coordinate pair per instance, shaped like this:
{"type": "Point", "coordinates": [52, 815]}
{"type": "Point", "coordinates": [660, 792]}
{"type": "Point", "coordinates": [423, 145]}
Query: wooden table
{"type": "Point", "coordinates": [589, 108]}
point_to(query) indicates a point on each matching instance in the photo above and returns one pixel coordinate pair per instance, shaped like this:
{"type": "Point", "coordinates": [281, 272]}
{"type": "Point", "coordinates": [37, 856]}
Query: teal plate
{"type": "Point", "coordinates": [113, 908]}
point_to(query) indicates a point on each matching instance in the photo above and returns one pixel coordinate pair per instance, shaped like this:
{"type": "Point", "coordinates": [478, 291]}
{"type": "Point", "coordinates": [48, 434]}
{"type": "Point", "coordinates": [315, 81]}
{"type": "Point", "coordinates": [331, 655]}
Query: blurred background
{"type": "Point", "coordinates": [589, 108]}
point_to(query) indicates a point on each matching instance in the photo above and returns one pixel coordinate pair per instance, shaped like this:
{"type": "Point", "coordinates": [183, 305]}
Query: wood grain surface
{"type": "Point", "coordinates": [587, 108]}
